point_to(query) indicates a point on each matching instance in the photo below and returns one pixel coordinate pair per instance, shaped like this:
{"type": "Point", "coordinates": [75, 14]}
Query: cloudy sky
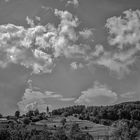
{"type": "Point", "coordinates": [66, 52]}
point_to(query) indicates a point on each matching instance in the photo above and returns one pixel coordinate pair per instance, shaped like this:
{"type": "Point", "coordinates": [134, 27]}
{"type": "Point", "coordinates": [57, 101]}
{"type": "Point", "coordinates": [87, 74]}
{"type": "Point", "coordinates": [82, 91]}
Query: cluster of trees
{"type": "Point", "coordinates": [103, 114]}
{"type": "Point", "coordinates": [30, 116]}
{"type": "Point", "coordinates": [21, 132]}
{"type": "Point", "coordinates": [126, 130]}
{"type": "Point", "coordinates": [34, 115]}
{"type": "Point", "coordinates": [124, 117]}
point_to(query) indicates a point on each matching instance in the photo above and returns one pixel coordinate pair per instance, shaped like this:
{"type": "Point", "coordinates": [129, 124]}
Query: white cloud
{"type": "Point", "coordinates": [124, 36]}
{"type": "Point", "coordinates": [38, 18]}
{"type": "Point", "coordinates": [7, 0]}
{"type": "Point", "coordinates": [97, 95]}
{"type": "Point", "coordinates": [76, 65]}
{"type": "Point", "coordinates": [27, 105]}
{"type": "Point", "coordinates": [30, 21]}
{"type": "Point", "coordinates": [117, 62]}
{"type": "Point", "coordinates": [124, 31]}
{"type": "Point", "coordinates": [99, 50]}
{"type": "Point", "coordinates": [33, 98]}
{"type": "Point", "coordinates": [128, 95]}
{"type": "Point", "coordinates": [38, 46]}
{"type": "Point", "coordinates": [86, 34]}
{"type": "Point", "coordinates": [73, 2]}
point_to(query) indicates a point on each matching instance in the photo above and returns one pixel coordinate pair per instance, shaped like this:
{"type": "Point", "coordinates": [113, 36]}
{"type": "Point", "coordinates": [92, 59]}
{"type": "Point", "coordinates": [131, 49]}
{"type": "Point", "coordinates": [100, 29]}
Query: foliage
{"type": "Point", "coordinates": [36, 112]}
{"type": "Point", "coordinates": [63, 121]}
{"type": "Point", "coordinates": [124, 117]}
{"type": "Point", "coordinates": [125, 130]}
{"type": "Point", "coordinates": [60, 135]}
{"type": "Point", "coordinates": [20, 132]}
{"type": "Point", "coordinates": [103, 114]}
{"type": "Point", "coordinates": [17, 114]}
{"type": "Point", "coordinates": [26, 121]}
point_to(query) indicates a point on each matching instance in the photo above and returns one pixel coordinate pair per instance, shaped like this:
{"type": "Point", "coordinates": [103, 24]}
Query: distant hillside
{"type": "Point", "coordinates": [103, 114]}
{"type": "Point", "coordinates": [84, 125]}
{"type": "Point", "coordinates": [120, 121]}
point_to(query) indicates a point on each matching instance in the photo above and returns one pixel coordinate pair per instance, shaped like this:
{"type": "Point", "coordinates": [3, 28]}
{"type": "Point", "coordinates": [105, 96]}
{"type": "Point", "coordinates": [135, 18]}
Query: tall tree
{"type": "Point", "coordinates": [17, 114]}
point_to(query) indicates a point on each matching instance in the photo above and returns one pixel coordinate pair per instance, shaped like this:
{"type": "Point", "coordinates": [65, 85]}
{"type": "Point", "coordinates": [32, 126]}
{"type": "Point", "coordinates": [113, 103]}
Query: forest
{"type": "Point", "coordinates": [103, 114]}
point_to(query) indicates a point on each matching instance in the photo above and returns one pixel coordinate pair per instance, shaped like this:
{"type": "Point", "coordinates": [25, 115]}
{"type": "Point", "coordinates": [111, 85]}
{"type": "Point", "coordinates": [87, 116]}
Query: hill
{"type": "Point", "coordinates": [75, 123]}
{"type": "Point", "coordinates": [86, 126]}
{"type": "Point", "coordinates": [103, 114]}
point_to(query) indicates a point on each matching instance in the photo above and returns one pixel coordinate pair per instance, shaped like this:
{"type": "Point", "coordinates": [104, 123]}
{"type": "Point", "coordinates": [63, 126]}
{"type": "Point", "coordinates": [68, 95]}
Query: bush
{"type": "Point", "coordinates": [4, 134]}
{"type": "Point", "coordinates": [106, 122]}
{"type": "Point", "coordinates": [26, 121]}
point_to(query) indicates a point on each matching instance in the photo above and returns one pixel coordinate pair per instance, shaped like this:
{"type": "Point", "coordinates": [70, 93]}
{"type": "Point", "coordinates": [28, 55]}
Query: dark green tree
{"type": "Point", "coordinates": [36, 112]}
{"type": "Point", "coordinates": [135, 114]}
{"type": "Point", "coordinates": [63, 121]}
{"type": "Point", "coordinates": [26, 121]}
{"type": "Point", "coordinates": [17, 114]}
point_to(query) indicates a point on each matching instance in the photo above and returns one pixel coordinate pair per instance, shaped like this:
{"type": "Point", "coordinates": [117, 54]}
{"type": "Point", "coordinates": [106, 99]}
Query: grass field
{"type": "Point", "coordinates": [86, 126]}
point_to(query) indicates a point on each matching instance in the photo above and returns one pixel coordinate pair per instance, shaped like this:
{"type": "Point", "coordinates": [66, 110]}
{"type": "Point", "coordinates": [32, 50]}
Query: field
{"type": "Point", "coordinates": [96, 130]}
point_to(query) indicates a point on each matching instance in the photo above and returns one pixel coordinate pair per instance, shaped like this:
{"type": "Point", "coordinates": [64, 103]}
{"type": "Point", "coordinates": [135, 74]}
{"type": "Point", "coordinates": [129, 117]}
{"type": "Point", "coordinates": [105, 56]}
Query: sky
{"type": "Point", "coordinates": [59, 53]}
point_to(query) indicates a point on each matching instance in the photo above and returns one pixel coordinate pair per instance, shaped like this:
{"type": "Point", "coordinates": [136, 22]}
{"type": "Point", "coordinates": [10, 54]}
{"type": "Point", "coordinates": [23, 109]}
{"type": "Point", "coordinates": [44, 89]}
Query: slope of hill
{"type": "Point", "coordinates": [86, 126]}
{"type": "Point", "coordinates": [103, 114]}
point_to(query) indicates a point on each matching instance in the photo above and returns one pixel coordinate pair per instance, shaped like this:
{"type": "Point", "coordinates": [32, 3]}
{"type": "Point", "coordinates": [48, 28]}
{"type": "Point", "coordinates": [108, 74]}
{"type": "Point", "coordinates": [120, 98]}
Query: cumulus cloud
{"type": "Point", "coordinates": [118, 62]}
{"type": "Point", "coordinates": [86, 34]}
{"type": "Point", "coordinates": [7, 0]}
{"type": "Point", "coordinates": [124, 37]}
{"type": "Point", "coordinates": [125, 31]}
{"type": "Point", "coordinates": [97, 95]}
{"type": "Point", "coordinates": [28, 105]}
{"type": "Point", "coordinates": [38, 46]}
{"type": "Point", "coordinates": [76, 65]}
{"type": "Point", "coordinates": [98, 51]}
{"type": "Point", "coordinates": [128, 95]}
{"type": "Point", "coordinates": [16, 46]}
{"type": "Point", "coordinates": [30, 21]}
{"type": "Point", "coordinates": [73, 2]}
{"type": "Point", "coordinates": [34, 98]}
{"type": "Point", "coordinates": [38, 18]}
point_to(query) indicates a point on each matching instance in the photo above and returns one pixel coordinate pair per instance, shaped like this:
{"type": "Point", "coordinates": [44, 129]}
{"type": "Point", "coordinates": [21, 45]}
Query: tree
{"type": "Point", "coordinates": [124, 132]}
{"type": "Point", "coordinates": [1, 115]}
{"type": "Point", "coordinates": [35, 119]}
{"type": "Point", "coordinates": [82, 136]}
{"type": "Point", "coordinates": [123, 114]}
{"type": "Point", "coordinates": [60, 135]}
{"type": "Point", "coordinates": [77, 134]}
{"type": "Point", "coordinates": [63, 121]}
{"type": "Point", "coordinates": [47, 109]}
{"type": "Point", "coordinates": [74, 129]}
{"type": "Point", "coordinates": [135, 115]}
{"type": "Point", "coordinates": [26, 121]}
{"type": "Point", "coordinates": [30, 113]}
{"type": "Point", "coordinates": [36, 112]}
{"type": "Point", "coordinates": [134, 133]}
{"type": "Point", "coordinates": [4, 134]}
{"type": "Point", "coordinates": [17, 114]}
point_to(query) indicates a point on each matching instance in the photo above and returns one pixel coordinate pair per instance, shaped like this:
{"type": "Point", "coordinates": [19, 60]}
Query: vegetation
{"type": "Point", "coordinates": [20, 132]}
{"type": "Point", "coordinates": [103, 114]}
{"type": "Point", "coordinates": [125, 130]}
{"type": "Point", "coordinates": [124, 118]}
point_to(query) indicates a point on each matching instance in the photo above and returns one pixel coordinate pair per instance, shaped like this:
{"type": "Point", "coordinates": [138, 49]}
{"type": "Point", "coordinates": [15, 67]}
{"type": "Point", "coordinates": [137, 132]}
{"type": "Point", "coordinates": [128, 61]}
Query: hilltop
{"type": "Point", "coordinates": [103, 114]}
{"type": "Point", "coordinates": [74, 123]}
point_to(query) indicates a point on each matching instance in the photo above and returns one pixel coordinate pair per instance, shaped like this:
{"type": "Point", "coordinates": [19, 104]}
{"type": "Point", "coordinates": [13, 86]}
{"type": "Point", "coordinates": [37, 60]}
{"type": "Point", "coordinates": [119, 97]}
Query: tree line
{"type": "Point", "coordinates": [103, 114]}
{"type": "Point", "coordinates": [124, 117]}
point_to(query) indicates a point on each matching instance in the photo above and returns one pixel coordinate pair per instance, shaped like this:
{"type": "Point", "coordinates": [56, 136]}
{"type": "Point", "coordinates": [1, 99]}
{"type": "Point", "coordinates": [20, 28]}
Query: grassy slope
{"type": "Point", "coordinates": [86, 126]}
